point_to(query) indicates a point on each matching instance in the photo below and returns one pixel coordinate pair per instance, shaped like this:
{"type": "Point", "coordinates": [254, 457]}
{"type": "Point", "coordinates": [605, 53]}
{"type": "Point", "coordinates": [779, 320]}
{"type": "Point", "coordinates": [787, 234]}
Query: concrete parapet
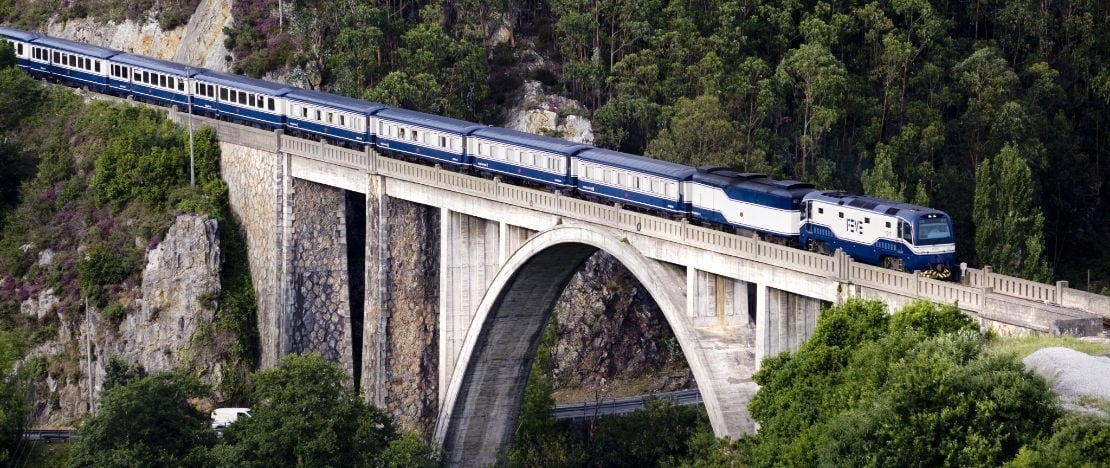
{"type": "Point", "coordinates": [1039, 317]}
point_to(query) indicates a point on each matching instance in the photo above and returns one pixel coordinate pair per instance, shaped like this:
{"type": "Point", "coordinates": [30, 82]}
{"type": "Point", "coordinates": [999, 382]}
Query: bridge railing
{"type": "Point", "coordinates": [1011, 286]}
{"type": "Point", "coordinates": [969, 294]}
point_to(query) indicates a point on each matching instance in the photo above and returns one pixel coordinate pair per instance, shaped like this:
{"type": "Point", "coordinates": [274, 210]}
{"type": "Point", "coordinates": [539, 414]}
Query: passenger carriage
{"type": "Point", "coordinates": [425, 136]}
{"type": "Point", "coordinates": [321, 115]}
{"type": "Point", "coordinates": [899, 236]}
{"type": "Point", "coordinates": [71, 62]}
{"type": "Point", "coordinates": [21, 41]}
{"type": "Point", "coordinates": [523, 156]}
{"type": "Point", "coordinates": [240, 98]}
{"type": "Point", "coordinates": [747, 201]}
{"type": "Point", "coordinates": [158, 81]}
{"type": "Point", "coordinates": [634, 180]}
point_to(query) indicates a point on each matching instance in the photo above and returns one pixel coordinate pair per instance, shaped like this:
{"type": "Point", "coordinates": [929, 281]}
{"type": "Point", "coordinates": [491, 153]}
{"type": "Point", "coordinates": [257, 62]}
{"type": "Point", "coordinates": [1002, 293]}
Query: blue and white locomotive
{"type": "Point", "coordinates": [898, 236]}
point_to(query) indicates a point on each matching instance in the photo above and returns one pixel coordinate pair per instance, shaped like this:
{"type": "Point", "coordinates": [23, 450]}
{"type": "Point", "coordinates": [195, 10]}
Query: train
{"type": "Point", "coordinates": [894, 235]}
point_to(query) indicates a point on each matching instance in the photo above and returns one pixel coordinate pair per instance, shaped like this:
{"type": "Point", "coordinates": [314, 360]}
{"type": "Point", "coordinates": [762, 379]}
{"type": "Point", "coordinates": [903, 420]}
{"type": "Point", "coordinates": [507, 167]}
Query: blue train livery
{"type": "Point", "coordinates": [633, 179]}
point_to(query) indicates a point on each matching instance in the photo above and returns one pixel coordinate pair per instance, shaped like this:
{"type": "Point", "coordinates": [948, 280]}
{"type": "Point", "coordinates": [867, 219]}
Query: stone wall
{"type": "Point", "coordinates": [401, 341]}
{"type": "Point", "coordinates": [319, 311]}
{"type": "Point", "coordinates": [255, 195]}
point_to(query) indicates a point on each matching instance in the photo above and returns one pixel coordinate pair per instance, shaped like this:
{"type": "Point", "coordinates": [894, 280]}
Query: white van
{"type": "Point", "coordinates": [221, 417]}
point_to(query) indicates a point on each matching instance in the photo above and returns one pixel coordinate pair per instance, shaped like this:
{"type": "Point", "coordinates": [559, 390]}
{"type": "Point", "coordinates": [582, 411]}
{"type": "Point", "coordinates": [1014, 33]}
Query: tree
{"type": "Point", "coordinates": [701, 133]}
{"type": "Point", "coordinates": [817, 80]}
{"type": "Point", "coordinates": [148, 421]}
{"type": "Point", "coordinates": [13, 402]}
{"type": "Point", "coordinates": [1008, 224]}
{"type": "Point", "coordinates": [914, 388]}
{"type": "Point", "coordinates": [306, 413]}
{"type": "Point", "coordinates": [1077, 440]}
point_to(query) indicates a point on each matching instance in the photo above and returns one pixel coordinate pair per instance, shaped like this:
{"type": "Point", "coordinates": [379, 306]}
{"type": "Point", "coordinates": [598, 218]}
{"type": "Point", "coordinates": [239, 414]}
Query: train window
{"type": "Point", "coordinates": [250, 100]}
{"type": "Point", "coordinates": [401, 132]}
{"type": "Point", "coordinates": [270, 103]}
{"type": "Point", "coordinates": [867, 220]}
{"type": "Point", "coordinates": [888, 224]}
{"type": "Point", "coordinates": [304, 112]}
{"type": "Point", "coordinates": [242, 97]}
{"type": "Point", "coordinates": [442, 142]}
{"type": "Point", "coordinates": [672, 189]}
{"type": "Point", "coordinates": [223, 94]}
{"type": "Point", "coordinates": [623, 179]}
{"type": "Point", "coordinates": [162, 80]}
{"type": "Point", "coordinates": [96, 66]}
{"type": "Point", "coordinates": [656, 186]}
{"type": "Point", "coordinates": [318, 115]}
{"type": "Point", "coordinates": [841, 214]}
{"type": "Point", "coordinates": [57, 57]}
{"type": "Point", "coordinates": [181, 84]}
{"type": "Point", "coordinates": [329, 117]}
{"type": "Point", "coordinates": [342, 120]}
{"type": "Point", "coordinates": [610, 176]}
{"type": "Point", "coordinates": [820, 211]}
{"type": "Point", "coordinates": [19, 49]}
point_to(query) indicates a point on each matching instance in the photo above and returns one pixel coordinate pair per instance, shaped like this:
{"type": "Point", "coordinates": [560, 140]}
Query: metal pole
{"type": "Point", "coordinates": [88, 354]}
{"type": "Point", "coordinates": [192, 170]}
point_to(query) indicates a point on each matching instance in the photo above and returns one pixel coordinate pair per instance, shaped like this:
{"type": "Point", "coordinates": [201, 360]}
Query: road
{"type": "Point", "coordinates": [625, 405]}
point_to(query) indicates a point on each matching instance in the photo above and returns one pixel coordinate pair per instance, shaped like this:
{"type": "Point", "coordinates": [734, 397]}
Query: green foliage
{"type": "Point", "coordinates": [411, 451]}
{"type": "Point", "coordinates": [144, 160]}
{"type": "Point", "coordinates": [1076, 440]}
{"type": "Point", "coordinates": [306, 413]}
{"type": "Point", "coordinates": [147, 421]}
{"type": "Point", "coordinates": [17, 91]}
{"type": "Point", "coordinates": [14, 406]}
{"type": "Point", "coordinates": [1008, 224]}
{"type": "Point", "coordinates": [118, 372]}
{"type": "Point", "coordinates": [101, 267]}
{"type": "Point", "coordinates": [916, 388]}
{"type": "Point", "coordinates": [7, 55]}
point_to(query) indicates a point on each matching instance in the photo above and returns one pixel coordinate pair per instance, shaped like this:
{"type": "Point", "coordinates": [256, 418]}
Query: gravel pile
{"type": "Point", "coordinates": [1079, 378]}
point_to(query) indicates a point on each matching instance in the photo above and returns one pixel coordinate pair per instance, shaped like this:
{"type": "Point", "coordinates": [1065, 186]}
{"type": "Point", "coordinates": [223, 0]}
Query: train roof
{"type": "Point", "coordinates": [246, 83]}
{"type": "Point", "coordinates": [640, 163]}
{"type": "Point", "coordinates": [75, 47]}
{"type": "Point", "coordinates": [907, 211]}
{"type": "Point", "coordinates": [427, 120]}
{"type": "Point", "coordinates": [334, 100]}
{"type": "Point", "coordinates": [164, 66]}
{"type": "Point", "coordinates": [751, 182]}
{"type": "Point", "coordinates": [540, 142]}
{"type": "Point", "coordinates": [18, 34]}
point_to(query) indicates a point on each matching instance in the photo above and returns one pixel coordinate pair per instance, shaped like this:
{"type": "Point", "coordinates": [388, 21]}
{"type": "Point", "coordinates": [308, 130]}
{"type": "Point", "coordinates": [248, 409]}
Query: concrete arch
{"type": "Point", "coordinates": [479, 413]}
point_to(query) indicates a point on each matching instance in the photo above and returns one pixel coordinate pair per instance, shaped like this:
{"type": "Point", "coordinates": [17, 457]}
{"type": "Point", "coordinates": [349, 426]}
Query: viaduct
{"type": "Point", "coordinates": [453, 278]}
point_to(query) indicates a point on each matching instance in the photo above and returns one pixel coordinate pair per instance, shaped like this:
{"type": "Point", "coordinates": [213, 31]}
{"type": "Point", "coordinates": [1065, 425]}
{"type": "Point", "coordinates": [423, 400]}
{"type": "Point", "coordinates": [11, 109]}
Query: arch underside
{"type": "Point", "coordinates": [478, 417]}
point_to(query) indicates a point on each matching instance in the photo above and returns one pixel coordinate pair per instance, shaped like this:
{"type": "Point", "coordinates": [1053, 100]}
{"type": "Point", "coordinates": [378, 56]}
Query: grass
{"type": "Point", "coordinates": [1026, 345]}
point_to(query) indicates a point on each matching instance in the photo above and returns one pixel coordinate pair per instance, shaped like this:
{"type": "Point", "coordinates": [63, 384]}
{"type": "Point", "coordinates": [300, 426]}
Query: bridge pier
{"type": "Point", "coordinates": [400, 346]}
{"type": "Point", "coordinates": [783, 320]}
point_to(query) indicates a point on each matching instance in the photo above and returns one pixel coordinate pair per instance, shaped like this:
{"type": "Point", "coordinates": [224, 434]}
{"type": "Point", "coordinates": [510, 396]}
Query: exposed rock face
{"type": "Point", "coordinates": [181, 283]}
{"type": "Point", "coordinates": [199, 43]}
{"type": "Point", "coordinates": [610, 328]}
{"type": "Point", "coordinates": [171, 326]}
{"type": "Point", "coordinates": [1076, 377]}
{"type": "Point", "coordinates": [551, 115]}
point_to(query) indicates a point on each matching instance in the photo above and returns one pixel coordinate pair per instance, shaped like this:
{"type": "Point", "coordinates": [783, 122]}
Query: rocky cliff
{"type": "Point", "coordinates": [199, 43]}
{"type": "Point", "coordinates": [171, 326]}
